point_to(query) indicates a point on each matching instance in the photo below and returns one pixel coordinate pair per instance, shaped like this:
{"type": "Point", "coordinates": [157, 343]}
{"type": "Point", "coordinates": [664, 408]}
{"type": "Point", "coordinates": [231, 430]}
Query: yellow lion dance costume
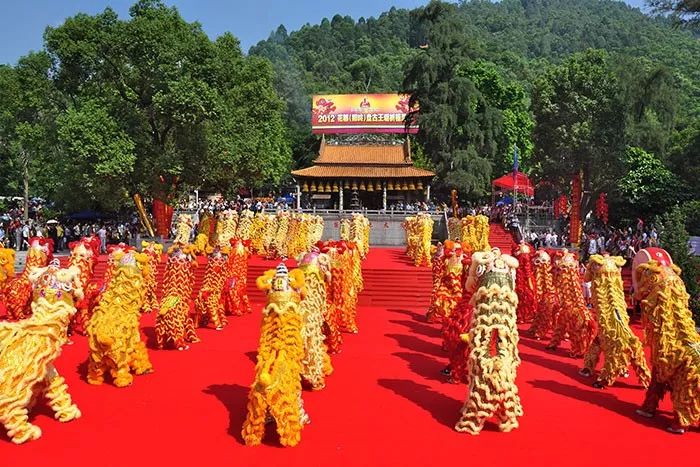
{"type": "Point", "coordinates": [226, 227]}
{"type": "Point", "coordinates": [672, 336]}
{"type": "Point", "coordinates": [7, 269]}
{"type": "Point", "coordinates": [183, 229]}
{"type": "Point", "coordinates": [615, 340]}
{"type": "Point", "coordinates": [18, 291]}
{"type": "Point", "coordinates": [29, 348]}
{"type": "Point", "coordinates": [276, 390]}
{"type": "Point", "coordinates": [245, 225]}
{"type": "Point", "coordinates": [114, 339]}
{"type": "Point", "coordinates": [316, 364]}
{"type": "Point", "coordinates": [419, 233]}
{"type": "Point", "coordinates": [491, 380]}
{"type": "Point", "coordinates": [546, 300]}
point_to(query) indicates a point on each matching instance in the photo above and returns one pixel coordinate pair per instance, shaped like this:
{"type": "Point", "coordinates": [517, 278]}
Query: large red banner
{"type": "Point", "coordinates": [360, 113]}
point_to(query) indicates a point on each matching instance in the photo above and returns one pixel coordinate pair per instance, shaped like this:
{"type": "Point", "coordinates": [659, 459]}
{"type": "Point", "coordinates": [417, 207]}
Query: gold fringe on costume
{"type": "Point", "coordinates": [673, 339]}
{"type": "Point", "coordinates": [574, 319]}
{"type": "Point", "coordinates": [209, 305]}
{"type": "Point", "coordinates": [492, 390]}
{"type": "Point", "coordinates": [546, 300]}
{"type": "Point", "coordinates": [114, 339]}
{"type": "Point", "coordinates": [615, 340]}
{"type": "Point", "coordinates": [276, 390]}
{"type": "Point", "coordinates": [28, 350]}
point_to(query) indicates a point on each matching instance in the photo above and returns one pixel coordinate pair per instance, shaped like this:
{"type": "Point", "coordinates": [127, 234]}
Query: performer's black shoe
{"type": "Point", "coordinates": [446, 371]}
{"type": "Point", "coordinates": [598, 385]}
{"type": "Point", "coordinates": [585, 372]}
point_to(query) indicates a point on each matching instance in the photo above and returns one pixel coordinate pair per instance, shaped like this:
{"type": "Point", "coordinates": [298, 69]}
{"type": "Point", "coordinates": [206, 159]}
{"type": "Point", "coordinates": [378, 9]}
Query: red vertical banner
{"type": "Point", "coordinates": [575, 218]}
{"type": "Point", "coordinates": [163, 214]}
{"type": "Point", "coordinates": [601, 208]}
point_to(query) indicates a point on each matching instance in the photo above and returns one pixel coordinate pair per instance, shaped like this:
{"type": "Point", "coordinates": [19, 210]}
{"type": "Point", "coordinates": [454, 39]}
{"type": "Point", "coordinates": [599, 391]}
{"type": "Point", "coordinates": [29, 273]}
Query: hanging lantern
{"type": "Point", "coordinates": [321, 189]}
{"type": "Point", "coordinates": [363, 187]}
{"type": "Point", "coordinates": [420, 185]}
{"type": "Point", "coordinates": [378, 185]}
{"type": "Point", "coordinates": [370, 185]}
{"type": "Point", "coordinates": [390, 185]}
{"type": "Point", "coordinates": [328, 187]}
{"type": "Point", "coordinates": [404, 185]}
{"type": "Point", "coordinates": [354, 185]}
{"type": "Point", "coordinates": [411, 186]}
{"type": "Point", "coordinates": [335, 187]}
{"type": "Point", "coordinates": [346, 184]}
{"type": "Point", "coordinates": [313, 186]}
{"type": "Point", "coordinates": [305, 186]}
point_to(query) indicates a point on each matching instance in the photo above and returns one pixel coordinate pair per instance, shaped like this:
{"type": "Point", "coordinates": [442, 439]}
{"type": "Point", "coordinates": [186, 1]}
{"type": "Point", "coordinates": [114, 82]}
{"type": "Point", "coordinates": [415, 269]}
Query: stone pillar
{"type": "Point", "coordinates": [384, 197]}
{"type": "Point", "coordinates": [427, 194]}
{"type": "Point", "coordinates": [340, 197]}
{"type": "Point", "coordinates": [298, 197]}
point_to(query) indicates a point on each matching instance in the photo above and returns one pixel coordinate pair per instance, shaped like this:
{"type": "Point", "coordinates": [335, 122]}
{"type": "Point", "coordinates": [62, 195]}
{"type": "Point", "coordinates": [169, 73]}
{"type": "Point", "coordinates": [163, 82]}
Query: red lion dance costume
{"type": "Point", "coordinates": [615, 340]}
{"type": "Point", "coordinates": [83, 255]}
{"type": "Point", "coordinates": [336, 295]}
{"type": "Point", "coordinates": [545, 317]}
{"type": "Point", "coordinates": [450, 290]}
{"type": "Point", "coordinates": [209, 305]}
{"type": "Point", "coordinates": [574, 319]}
{"type": "Point", "coordinates": [456, 325]}
{"type": "Point", "coordinates": [525, 283]}
{"type": "Point", "coordinates": [174, 323]}
{"type": "Point", "coordinates": [671, 334]}
{"type": "Point", "coordinates": [18, 294]}
{"type": "Point", "coordinates": [235, 293]}
{"type": "Point", "coordinates": [438, 269]}
{"type": "Point", "coordinates": [276, 391]}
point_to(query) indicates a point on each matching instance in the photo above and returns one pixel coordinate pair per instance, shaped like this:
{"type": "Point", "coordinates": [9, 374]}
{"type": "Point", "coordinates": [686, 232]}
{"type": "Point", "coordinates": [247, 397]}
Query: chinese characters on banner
{"type": "Point", "coordinates": [360, 113]}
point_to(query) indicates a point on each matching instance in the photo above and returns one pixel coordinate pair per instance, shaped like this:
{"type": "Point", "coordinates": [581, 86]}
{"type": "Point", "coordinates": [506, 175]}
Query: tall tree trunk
{"type": "Point", "coordinates": [25, 182]}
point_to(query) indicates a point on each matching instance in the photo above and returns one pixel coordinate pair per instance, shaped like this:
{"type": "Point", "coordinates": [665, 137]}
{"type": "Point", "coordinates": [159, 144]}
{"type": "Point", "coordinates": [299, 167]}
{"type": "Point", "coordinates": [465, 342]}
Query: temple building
{"type": "Point", "coordinates": [362, 172]}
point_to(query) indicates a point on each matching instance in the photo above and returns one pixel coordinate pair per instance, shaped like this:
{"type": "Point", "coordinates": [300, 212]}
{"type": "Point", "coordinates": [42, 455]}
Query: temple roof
{"type": "Point", "coordinates": [363, 161]}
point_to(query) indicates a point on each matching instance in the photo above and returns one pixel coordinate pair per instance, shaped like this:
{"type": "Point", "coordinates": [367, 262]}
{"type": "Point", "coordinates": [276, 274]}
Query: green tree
{"type": "Point", "coordinates": [674, 239]}
{"type": "Point", "coordinates": [28, 108]}
{"type": "Point", "coordinates": [648, 187]}
{"type": "Point", "coordinates": [683, 11]}
{"type": "Point", "coordinates": [165, 87]}
{"type": "Point", "coordinates": [580, 123]}
{"type": "Point", "coordinates": [459, 130]}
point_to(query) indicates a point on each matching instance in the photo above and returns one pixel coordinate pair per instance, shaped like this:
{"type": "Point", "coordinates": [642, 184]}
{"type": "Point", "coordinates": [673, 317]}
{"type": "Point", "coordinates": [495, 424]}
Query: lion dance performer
{"type": "Point", "coordinates": [154, 251]}
{"type": "Point", "coordinates": [525, 282]}
{"type": "Point", "coordinates": [574, 319]}
{"type": "Point", "coordinates": [547, 306]}
{"type": "Point", "coordinates": [115, 342]}
{"type": "Point", "coordinates": [336, 295]}
{"type": "Point", "coordinates": [209, 304]}
{"type": "Point", "coordinates": [455, 326]}
{"type": "Point", "coordinates": [276, 390]}
{"type": "Point", "coordinates": [7, 273]}
{"type": "Point", "coordinates": [615, 340]}
{"type": "Point", "coordinates": [29, 348]}
{"type": "Point", "coordinates": [235, 292]}
{"type": "Point", "coordinates": [425, 234]}
{"type": "Point", "coordinates": [83, 255]}
{"type": "Point", "coordinates": [438, 269]}
{"type": "Point", "coordinates": [672, 336]}
{"type": "Point", "coordinates": [18, 292]}
{"type": "Point", "coordinates": [449, 291]}
{"type": "Point", "coordinates": [174, 324]}
{"type": "Point", "coordinates": [226, 227]}
{"type": "Point", "coordinates": [316, 364]}
{"type": "Point", "coordinates": [493, 338]}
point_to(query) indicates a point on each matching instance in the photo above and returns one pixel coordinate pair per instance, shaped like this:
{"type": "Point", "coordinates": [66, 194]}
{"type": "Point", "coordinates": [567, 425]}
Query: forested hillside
{"type": "Point", "coordinates": [522, 38]}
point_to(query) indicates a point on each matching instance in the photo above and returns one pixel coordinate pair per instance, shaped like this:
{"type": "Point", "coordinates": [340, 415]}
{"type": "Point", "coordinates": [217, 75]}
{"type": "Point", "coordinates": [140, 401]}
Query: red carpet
{"type": "Point", "coordinates": [386, 404]}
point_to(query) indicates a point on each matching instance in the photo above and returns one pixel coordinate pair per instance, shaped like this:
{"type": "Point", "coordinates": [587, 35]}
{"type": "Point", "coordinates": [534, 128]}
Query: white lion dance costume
{"type": "Point", "coordinates": [671, 334]}
{"type": "Point", "coordinates": [491, 380]}
{"type": "Point", "coordinates": [29, 348]}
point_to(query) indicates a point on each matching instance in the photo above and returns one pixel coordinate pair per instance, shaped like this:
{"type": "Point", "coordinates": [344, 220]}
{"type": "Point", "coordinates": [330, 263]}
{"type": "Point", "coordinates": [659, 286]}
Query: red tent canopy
{"type": "Point", "coordinates": [520, 182]}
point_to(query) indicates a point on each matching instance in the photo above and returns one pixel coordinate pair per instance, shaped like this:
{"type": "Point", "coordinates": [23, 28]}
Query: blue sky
{"type": "Point", "coordinates": [22, 22]}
